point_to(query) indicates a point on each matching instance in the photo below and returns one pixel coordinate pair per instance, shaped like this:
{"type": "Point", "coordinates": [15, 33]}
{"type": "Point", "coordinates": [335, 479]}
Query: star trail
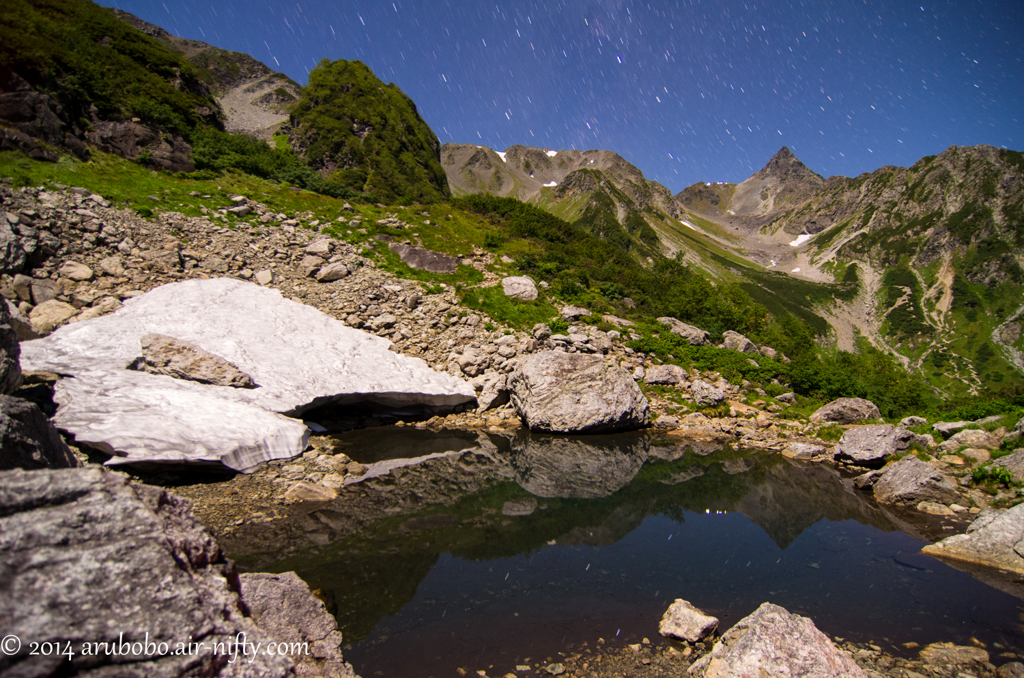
{"type": "Point", "coordinates": [687, 91]}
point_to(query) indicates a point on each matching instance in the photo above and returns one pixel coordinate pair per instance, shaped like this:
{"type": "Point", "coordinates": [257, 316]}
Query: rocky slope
{"type": "Point", "coordinates": [935, 249]}
{"type": "Point", "coordinates": [253, 97]}
{"type": "Point", "coordinates": [600, 190]}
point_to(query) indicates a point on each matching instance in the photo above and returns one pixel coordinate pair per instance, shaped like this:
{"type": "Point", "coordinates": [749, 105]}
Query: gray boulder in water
{"type": "Point", "coordinates": [995, 539]}
{"type": "Point", "coordinates": [576, 393]}
{"type": "Point", "coordinates": [871, 445]}
{"type": "Point", "coordinates": [88, 556]}
{"type": "Point", "coordinates": [554, 466]}
{"type": "Point", "coordinates": [774, 642]}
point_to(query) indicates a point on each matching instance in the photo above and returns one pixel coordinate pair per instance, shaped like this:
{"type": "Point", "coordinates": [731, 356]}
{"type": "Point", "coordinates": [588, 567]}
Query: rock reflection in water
{"type": "Point", "coordinates": [496, 542]}
{"type": "Point", "coordinates": [581, 468]}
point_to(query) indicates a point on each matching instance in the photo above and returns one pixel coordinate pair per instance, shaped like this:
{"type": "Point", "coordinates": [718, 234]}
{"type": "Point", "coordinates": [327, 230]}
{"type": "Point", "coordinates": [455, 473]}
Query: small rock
{"type": "Point", "coordinates": [519, 287]}
{"type": "Point", "coordinates": [264, 277]}
{"type": "Point", "coordinates": [75, 271]}
{"type": "Point", "coordinates": [303, 491]}
{"type": "Point", "coordinates": [847, 411]}
{"type": "Point", "coordinates": [685, 622]}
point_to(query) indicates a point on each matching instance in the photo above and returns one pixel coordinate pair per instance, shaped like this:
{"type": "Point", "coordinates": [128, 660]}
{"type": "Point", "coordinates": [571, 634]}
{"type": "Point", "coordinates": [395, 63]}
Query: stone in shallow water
{"type": "Point", "coordinates": [684, 621]}
{"type": "Point", "coordinates": [995, 539]}
{"type": "Point", "coordinates": [910, 481]}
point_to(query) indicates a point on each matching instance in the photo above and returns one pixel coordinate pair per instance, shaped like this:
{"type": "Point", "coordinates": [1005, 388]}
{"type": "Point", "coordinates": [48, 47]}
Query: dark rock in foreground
{"type": "Point", "coordinates": [90, 558]}
{"type": "Point", "coordinates": [773, 642]}
{"type": "Point", "coordinates": [27, 438]}
{"type": "Point", "coordinates": [574, 393]}
{"type": "Point", "coordinates": [10, 352]}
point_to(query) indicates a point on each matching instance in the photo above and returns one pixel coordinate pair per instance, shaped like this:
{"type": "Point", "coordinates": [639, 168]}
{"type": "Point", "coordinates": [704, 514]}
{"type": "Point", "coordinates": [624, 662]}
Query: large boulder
{"type": "Point", "coordinates": [683, 621]}
{"type": "Point", "coordinates": [910, 481]}
{"type": "Point", "coordinates": [89, 557]}
{"type": "Point", "coordinates": [10, 353]}
{"type": "Point", "coordinates": [286, 609]}
{"type": "Point", "coordinates": [519, 287]}
{"type": "Point", "coordinates": [737, 342]}
{"type": "Point", "coordinates": [970, 437]}
{"type": "Point", "coordinates": [1014, 463]}
{"type": "Point", "coordinates": [706, 394]}
{"type": "Point", "coordinates": [995, 539]}
{"type": "Point", "coordinates": [300, 357]}
{"type": "Point", "coordinates": [774, 642]}
{"type": "Point", "coordinates": [28, 439]}
{"type": "Point", "coordinates": [576, 393]}
{"type": "Point", "coordinates": [871, 445]}
{"type": "Point", "coordinates": [847, 411]}
{"type": "Point", "coordinates": [695, 335]}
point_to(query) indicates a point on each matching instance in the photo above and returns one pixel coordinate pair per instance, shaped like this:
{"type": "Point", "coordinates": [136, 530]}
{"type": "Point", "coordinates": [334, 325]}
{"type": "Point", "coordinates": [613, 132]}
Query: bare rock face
{"type": "Point", "coordinates": [28, 439]}
{"type": "Point", "coordinates": [301, 358]}
{"type": "Point", "coordinates": [286, 609]}
{"type": "Point", "coordinates": [88, 556]}
{"type": "Point", "coordinates": [847, 411]}
{"type": "Point", "coordinates": [970, 437]}
{"type": "Point", "coordinates": [773, 642]}
{"type": "Point", "coordinates": [995, 539]}
{"type": "Point", "coordinates": [910, 481]}
{"type": "Point", "coordinates": [871, 445]}
{"type": "Point", "coordinates": [575, 393]}
{"type": "Point", "coordinates": [685, 622]}
{"type": "Point", "coordinates": [695, 335]}
{"type": "Point", "coordinates": [1014, 462]}
{"type": "Point", "coordinates": [425, 260]}
{"type": "Point", "coordinates": [131, 139]}
{"type": "Point", "coordinates": [519, 287]}
{"type": "Point", "coordinates": [179, 359]}
{"type": "Point", "coordinates": [10, 353]}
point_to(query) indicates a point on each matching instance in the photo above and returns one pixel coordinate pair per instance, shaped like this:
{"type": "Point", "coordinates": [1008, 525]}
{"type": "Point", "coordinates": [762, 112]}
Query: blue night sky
{"type": "Point", "coordinates": [686, 90]}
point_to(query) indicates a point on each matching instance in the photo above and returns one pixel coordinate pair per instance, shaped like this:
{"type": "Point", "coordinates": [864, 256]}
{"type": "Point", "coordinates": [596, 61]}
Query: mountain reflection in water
{"type": "Point", "coordinates": [502, 549]}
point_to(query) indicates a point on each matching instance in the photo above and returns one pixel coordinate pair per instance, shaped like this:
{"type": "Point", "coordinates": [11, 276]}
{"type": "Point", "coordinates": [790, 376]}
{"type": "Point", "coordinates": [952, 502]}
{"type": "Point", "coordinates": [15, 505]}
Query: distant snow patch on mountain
{"type": "Point", "coordinates": [551, 154]}
{"type": "Point", "coordinates": [501, 155]}
{"type": "Point", "coordinates": [801, 239]}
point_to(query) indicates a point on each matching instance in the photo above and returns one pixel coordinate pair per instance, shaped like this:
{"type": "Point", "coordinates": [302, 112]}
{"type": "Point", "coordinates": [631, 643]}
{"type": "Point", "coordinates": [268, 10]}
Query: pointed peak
{"type": "Point", "coordinates": [784, 153]}
{"type": "Point", "coordinates": [785, 165]}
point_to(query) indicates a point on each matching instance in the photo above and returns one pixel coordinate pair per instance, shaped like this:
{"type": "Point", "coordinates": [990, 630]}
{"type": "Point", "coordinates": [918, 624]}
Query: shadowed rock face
{"type": "Point", "coordinates": [301, 358]}
{"type": "Point", "coordinates": [28, 439]}
{"type": "Point", "coordinates": [86, 555]}
{"type": "Point", "coordinates": [10, 351]}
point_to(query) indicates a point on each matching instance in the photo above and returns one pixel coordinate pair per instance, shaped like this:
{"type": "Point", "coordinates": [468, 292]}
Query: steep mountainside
{"type": "Point", "coordinates": [358, 131]}
{"type": "Point", "coordinates": [937, 250]}
{"type": "Point", "coordinates": [254, 98]}
{"type": "Point", "coordinates": [599, 190]}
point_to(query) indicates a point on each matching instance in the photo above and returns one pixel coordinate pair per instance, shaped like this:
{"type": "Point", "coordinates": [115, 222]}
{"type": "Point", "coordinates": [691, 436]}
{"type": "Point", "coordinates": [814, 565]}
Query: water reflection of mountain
{"type": "Point", "coordinates": [368, 550]}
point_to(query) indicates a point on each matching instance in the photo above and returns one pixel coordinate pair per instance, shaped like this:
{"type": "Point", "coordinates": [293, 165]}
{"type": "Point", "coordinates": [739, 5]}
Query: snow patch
{"type": "Point", "coordinates": [501, 155]}
{"type": "Point", "coordinates": [551, 154]}
{"type": "Point", "coordinates": [687, 223]}
{"type": "Point", "coordinates": [551, 183]}
{"type": "Point", "coordinates": [801, 239]}
{"type": "Point", "coordinates": [796, 270]}
{"type": "Point", "coordinates": [774, 263]}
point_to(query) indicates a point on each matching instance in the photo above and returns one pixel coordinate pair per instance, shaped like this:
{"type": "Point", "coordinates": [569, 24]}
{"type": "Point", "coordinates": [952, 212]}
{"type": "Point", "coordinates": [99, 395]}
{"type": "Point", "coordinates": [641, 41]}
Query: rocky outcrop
{"type": "Point", "coordinates": [774, 642]}
{"type": "Point", "coordinates": [970, 437]}
{"type": "Point", "coordinates": [847, 411]}
{"type": "Point", "coordinates": [706, 394]}
{"type": "Point", "coordinates": [871, 445]}
{"type": "Point", "coordinates": [695, 335]}
{"type": "Point", "coordinates": [995, 539]}
{"type": "Point", "coordinates": [181, 360]}
{"type": "Point", "coordinates": [683, 621]}
{"type": "Point", "coordinates": [154, 419]}
{"type": "Point", "coordinates": [131, 140]}
{"type": "Point", "coordinates": [735, 341]}
{"type": "Point", "coordinates": [28, 439]}
{"type": "Point", "coordinates": [573, 393]}
{"type": "Point", "coordinates": [89, 557]}
{"type": "Point", "coordinates": [910, 481]}
{"type": "Point", "coordinates": [1013, 462]}
{"type": "Point", "coordinates": [284, 607]}
{"type": "Point", "coordinates": [425, 260]}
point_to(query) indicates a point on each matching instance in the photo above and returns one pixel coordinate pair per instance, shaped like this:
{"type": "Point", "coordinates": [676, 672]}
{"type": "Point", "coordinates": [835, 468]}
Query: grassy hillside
{"type": "Point", "coordinates": [369, 136]}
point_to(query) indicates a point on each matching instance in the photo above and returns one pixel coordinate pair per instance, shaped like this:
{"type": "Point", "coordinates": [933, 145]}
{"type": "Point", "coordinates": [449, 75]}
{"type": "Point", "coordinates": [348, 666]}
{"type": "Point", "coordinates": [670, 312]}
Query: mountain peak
{"type": "Point", "coordinates": [785, 166]}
